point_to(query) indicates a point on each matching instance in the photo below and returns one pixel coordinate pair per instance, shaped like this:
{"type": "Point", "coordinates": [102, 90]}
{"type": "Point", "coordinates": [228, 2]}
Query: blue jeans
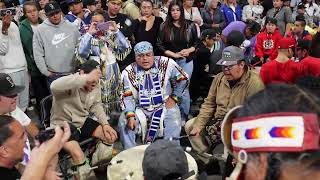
{"type": "Point", "coordinates": [185, 99]}
{"type": "Point", "coordinates": [171, 123]}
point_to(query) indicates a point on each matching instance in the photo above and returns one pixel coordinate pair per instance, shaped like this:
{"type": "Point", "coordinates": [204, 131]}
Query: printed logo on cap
{"type": "Point", "coordinates": [227, 54]}
{"type": "Point", "coordinates": [10, 81]}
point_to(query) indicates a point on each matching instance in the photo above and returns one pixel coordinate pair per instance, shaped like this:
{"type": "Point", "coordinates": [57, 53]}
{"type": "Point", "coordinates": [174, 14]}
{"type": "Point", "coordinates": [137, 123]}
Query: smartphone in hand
{"type": "Point", "coordinates": [8, 11]}
{"type": "Point", "coordinates": [103, 26]}
{"type": "Point", "coordinates": [45, 135]}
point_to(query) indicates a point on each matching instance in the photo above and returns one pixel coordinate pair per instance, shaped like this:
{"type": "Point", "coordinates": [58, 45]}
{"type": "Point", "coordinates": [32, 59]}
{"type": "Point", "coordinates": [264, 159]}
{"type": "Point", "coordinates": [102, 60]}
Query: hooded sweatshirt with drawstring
{"type": "Point", "coordinates": [267, 44]}
{"type": "Point", "coordinates": [54, 47]}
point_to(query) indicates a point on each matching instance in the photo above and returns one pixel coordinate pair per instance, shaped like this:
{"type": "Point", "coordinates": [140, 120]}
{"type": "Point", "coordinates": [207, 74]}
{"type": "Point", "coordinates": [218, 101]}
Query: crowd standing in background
{"type": "Point", "coordinates": [145, 70]}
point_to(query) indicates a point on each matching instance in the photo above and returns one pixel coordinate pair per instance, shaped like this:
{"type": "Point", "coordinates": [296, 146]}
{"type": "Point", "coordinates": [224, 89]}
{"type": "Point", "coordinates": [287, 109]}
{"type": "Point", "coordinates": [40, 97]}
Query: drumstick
{"type": "Point", "coordinates": [186, 176]}
{"type": "Point", "coordinates": [98, 166]}
{"type": "Point", "coordinates": [106, 164]}
{"type": "Point", "coordinates": [181, 137]}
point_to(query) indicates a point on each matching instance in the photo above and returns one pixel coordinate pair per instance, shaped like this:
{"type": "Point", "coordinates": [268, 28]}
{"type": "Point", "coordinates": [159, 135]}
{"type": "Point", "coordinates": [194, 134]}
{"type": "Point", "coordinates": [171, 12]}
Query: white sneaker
{"type": "Point", "coordinates": [103, 153]}
{"type": "Point", "coordinates": [84, 172]}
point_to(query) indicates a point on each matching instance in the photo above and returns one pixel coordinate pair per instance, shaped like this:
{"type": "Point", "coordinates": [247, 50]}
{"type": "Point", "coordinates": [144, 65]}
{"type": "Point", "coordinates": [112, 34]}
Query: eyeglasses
{"type": "Point", "coordinates": [228, 68]}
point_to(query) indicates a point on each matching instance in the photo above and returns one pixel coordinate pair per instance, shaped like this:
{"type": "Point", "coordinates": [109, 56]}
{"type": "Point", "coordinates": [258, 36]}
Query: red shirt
{"type": "Point", "coordinates": [310, 66]}
{"type": "Point", "coordinates": [279, 72]}
{"type": "Point", "coordinates": [267, 44]}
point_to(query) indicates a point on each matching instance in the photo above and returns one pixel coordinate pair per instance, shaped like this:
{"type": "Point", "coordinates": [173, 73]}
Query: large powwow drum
{"type": "Point", "coordinates": [131, 165]}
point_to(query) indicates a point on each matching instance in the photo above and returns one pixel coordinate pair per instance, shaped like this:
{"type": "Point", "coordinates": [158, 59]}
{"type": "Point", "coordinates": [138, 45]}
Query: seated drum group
{"type": "Point", "coordinates": [152, 89]}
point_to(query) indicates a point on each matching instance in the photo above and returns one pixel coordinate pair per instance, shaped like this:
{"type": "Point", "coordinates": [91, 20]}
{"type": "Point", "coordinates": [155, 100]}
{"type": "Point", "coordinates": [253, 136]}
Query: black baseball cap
{"type": "Point", "coordinates": [89, 2]}
{"type": "Point", "coordinates": [73, 1]}
{"type": "Point", "coordinates": [164, 158]}
{"type": "Point", "coordinates": [51, 8]}
{"type": "Point", "coordinates": [301, 5]}
{"type": "Point", "coordinates": [8, 88]}
{"type": "Point", "coordinates": [89, 65]}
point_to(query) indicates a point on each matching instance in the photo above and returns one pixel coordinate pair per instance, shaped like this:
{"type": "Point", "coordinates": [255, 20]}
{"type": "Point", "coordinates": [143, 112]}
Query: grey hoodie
{"type": "Point", "coordinates": [54, 47]}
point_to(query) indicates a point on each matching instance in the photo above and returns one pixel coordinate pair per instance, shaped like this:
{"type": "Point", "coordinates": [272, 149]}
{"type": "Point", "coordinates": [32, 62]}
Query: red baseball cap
{"type": "Point", "coordinates": [286, 43]}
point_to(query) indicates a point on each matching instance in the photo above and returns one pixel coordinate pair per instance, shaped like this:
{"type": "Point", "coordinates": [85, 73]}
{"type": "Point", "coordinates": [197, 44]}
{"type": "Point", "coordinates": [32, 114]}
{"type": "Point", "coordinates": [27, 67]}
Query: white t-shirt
{"type": "Point", "coordinates": [20, 116]}
{"type": "Point", "coordinates": [34, 27]}
{"type": "Point", "coordinates": [234, 11]}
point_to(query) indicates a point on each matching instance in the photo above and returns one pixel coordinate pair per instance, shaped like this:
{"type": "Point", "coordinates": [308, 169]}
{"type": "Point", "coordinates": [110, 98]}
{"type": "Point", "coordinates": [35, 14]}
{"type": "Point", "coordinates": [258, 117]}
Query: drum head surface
{"type": "Point", "coordinates": [132, 163]}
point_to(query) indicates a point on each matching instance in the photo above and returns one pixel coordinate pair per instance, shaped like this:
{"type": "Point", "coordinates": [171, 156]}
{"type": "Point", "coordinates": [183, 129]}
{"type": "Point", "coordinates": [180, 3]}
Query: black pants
{"type": "Point", "coordinates": [40, 88]}
{"type": "Point", "coordinates": [85, 132]}
{"type": "Point", "coordinates": [228, 167]}
{"type": "Point", "coordinates": [199, 82]}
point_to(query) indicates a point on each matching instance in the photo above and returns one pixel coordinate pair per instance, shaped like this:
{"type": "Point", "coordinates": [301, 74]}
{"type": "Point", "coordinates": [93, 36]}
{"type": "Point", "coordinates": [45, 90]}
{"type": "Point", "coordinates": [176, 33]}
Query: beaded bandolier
{"type": "Point", "coordinates": [149, 86]}
{"type": "Point", "coordinates": [150, 98]}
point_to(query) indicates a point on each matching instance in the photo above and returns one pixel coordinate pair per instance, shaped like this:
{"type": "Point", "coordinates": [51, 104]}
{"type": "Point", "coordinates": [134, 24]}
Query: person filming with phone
{"type": "Point", "coordinates": [12, 58]}
{"type": "Point", "coordinates": [104, 43]}
{"type": "Point", "coordinates": [44, 156]}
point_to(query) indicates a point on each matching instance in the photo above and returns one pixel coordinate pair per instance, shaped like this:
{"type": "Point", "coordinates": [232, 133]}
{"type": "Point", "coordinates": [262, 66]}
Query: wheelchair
{"type": "Point", "coordinates": [86, 145]}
